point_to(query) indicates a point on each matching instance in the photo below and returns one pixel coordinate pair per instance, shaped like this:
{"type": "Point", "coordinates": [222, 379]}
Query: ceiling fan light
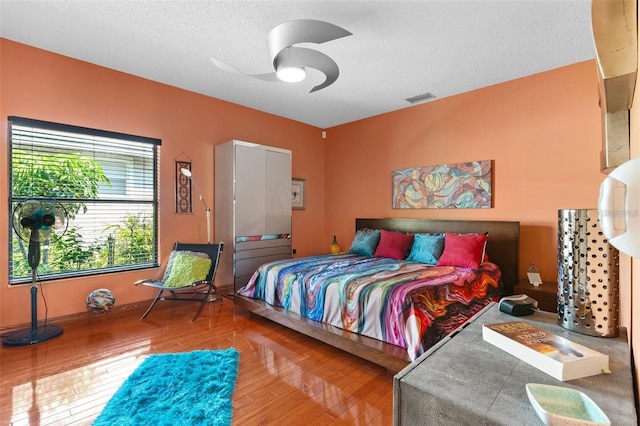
{"type": "Point", "coordinates": [291, 74]}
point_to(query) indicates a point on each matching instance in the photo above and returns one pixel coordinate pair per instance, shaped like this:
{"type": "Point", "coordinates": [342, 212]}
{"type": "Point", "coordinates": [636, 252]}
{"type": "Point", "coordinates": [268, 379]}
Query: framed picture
{"type": "Point", "coordinates": [184, 203]}
{"type": "Point", "coordinates": [297, 193]}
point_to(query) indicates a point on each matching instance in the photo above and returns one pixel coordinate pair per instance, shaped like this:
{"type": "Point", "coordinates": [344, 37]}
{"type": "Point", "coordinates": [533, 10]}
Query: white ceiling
{"type": "Point", "coordinates": [398, 49]}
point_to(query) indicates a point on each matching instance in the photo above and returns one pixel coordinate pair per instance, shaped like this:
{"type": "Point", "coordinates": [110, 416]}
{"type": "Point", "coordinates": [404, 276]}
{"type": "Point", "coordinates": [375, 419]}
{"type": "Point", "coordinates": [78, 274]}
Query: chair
{"type": "Point", "coordinates": [187, 290]}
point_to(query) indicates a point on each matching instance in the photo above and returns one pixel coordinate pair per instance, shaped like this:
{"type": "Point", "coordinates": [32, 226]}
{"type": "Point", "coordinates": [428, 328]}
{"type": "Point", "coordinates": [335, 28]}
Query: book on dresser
{"type": "Point", "coordinates": [555, 355]}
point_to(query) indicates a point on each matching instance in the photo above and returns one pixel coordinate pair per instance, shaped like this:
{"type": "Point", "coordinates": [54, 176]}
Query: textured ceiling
{"type": "Point", "coordinates": [399, 49]}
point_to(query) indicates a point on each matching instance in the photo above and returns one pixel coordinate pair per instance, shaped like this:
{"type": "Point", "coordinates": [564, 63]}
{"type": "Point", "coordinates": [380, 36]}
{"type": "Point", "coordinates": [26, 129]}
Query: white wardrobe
{"type": "Point", "coordinates": [252, 208]}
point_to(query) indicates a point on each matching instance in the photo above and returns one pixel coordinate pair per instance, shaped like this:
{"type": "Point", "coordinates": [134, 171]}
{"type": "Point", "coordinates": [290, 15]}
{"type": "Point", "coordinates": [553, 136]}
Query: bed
{"type": "Point", "coordinates": [386, 310]}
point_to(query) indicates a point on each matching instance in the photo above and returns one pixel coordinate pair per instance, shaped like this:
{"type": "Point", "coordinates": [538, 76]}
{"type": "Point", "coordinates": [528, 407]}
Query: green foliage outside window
{"type": "Point", "coordinates": [130, 240]}
{"type": "Point", "coordinates": [68, 178]}
{"type": "Point", "coordinates": [59, 176]}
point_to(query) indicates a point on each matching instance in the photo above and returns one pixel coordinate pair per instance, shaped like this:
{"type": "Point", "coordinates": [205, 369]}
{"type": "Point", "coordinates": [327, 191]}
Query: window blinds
{"type": "Point", "coordinates": [107, 183]}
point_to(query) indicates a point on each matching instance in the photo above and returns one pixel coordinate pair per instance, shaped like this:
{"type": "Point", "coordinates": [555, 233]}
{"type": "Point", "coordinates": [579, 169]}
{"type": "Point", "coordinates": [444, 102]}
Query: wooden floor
{"type": "Point", "coordinates": [284, 378]}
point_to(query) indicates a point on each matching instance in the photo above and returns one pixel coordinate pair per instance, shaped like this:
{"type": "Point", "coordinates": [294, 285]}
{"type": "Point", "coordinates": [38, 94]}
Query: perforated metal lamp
{"type": "Point", "coordinates": [588, 275]}
{"type": "Point", "coordinates": [188, 174]}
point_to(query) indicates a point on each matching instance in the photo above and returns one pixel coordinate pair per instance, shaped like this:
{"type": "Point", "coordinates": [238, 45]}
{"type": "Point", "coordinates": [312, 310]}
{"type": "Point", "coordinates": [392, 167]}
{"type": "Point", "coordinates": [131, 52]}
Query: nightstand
{"type": "Point", "coordinates": [546, 294]}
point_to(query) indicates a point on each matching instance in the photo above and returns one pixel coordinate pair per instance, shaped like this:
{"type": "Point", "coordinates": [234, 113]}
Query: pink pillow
{"type": "Point", "coordinates": [393, 244]}
{"type": "Point", "coordinates": [463, 250]}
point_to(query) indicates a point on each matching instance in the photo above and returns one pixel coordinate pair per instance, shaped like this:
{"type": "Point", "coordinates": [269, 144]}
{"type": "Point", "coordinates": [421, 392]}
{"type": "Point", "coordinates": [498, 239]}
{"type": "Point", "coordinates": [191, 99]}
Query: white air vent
{"type": "Point", "coordinates": [421, 98]}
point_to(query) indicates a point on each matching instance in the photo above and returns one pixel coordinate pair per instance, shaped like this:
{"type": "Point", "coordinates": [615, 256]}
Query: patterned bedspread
{"type": "Point", "coordinates": [408, 304]}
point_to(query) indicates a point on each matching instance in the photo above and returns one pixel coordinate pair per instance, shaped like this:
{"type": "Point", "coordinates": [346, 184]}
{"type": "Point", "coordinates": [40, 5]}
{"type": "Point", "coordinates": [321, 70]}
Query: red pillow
{"type": "Point", "coordinates": [465, 251]}
{"type": "Point", "coordinates": [393, 244]}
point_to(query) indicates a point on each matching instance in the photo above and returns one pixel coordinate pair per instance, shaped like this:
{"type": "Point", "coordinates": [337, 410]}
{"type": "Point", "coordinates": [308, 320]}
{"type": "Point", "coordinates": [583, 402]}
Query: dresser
{"type": "Point", "coordinates": [464, 380]}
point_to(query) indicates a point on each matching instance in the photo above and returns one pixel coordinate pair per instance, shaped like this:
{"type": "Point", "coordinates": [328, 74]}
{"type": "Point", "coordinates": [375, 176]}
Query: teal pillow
{"type": "Point", "coordinates": [365, 242]}
{"type": "Point", "coordinates": [427, 248]}
{"type": "Point", "coordinates": [187, 269]}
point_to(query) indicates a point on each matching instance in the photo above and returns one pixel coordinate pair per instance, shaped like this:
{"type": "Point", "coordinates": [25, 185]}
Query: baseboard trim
{"type": "Point", "coordinates": [117, 309]}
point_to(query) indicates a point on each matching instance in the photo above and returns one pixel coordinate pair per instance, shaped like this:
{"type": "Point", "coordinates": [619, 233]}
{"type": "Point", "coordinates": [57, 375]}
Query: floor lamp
{"type": "Point", "coordinates": [188, 174]}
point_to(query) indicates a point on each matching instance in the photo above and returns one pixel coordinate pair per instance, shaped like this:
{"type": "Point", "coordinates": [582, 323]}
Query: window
{"type": "Point", "coordinates": [104, 183]}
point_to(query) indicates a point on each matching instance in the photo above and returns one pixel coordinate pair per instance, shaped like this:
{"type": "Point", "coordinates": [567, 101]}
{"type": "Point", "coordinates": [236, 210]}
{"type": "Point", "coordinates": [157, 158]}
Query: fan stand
{"type": "Point", "coordinates": [35, 334]}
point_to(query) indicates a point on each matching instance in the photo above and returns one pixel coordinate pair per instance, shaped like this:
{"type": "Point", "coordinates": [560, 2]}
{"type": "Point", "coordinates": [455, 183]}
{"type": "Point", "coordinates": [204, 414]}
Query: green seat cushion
{"type": "Point", "coordinates": [187, 269]}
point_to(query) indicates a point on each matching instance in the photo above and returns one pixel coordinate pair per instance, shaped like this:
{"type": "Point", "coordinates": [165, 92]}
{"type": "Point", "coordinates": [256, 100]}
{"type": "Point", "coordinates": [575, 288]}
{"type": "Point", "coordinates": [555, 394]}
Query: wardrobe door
{"type": "Point", "coordinates": [250, 195]}
{"type": "Point", "coordinates": [278, 192]}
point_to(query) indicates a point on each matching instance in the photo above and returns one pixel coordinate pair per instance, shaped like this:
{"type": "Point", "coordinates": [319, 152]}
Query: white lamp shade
{"type": "Point", "coordinates": [291, 74]}
{"type": "Point", "coordinates": [619, 205]}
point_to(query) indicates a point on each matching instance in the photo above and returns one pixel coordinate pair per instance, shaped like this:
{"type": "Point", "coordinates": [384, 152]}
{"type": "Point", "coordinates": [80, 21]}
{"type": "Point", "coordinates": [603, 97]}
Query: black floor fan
{"type": "Point", "coordinates": [34, 221]}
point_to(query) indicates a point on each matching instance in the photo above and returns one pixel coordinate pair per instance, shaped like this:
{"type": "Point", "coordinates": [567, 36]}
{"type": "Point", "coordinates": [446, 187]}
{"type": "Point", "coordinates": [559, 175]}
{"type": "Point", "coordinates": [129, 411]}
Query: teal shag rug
{"type": "Point", "coordinates": [189, 388]}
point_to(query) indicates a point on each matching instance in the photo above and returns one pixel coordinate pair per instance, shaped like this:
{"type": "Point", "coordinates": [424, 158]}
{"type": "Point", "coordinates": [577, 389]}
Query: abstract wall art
{"type": "Point", "coordinates": [459, 186]}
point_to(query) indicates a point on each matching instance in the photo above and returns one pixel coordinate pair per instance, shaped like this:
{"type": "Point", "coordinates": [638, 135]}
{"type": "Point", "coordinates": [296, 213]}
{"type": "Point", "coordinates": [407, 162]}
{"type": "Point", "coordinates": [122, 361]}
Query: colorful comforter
{"type": "Point", "coordinates": [408, 304]}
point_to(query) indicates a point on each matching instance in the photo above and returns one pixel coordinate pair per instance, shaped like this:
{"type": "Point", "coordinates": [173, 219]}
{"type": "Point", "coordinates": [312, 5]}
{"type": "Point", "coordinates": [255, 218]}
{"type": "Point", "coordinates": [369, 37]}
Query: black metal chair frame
{"type": "Point", "coordinates": [199, 291]}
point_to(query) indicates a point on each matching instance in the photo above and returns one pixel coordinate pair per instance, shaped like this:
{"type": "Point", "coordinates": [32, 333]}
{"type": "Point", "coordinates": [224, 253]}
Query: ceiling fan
{"type": "Point", "coordinates": [289, 61]}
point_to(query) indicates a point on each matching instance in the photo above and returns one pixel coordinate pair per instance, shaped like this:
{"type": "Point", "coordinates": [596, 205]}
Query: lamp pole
{"type": "Point", "coordinates": [207, 210]}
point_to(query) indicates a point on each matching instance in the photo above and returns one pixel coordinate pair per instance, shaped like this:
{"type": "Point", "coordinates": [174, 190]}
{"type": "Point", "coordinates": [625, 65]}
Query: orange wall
{"type": "Point", "coordinates": [41, 85]}
{"type": "Point", "coordinates": [542, 132]}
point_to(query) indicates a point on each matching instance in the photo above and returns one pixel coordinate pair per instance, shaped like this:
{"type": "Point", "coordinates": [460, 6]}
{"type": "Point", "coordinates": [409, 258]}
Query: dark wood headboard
{"type": "Point", "coordinates": [502, 246]}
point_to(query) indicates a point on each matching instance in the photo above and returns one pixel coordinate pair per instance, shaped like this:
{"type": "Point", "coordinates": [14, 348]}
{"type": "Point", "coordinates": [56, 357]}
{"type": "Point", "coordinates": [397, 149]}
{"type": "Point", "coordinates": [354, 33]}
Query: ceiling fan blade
{"type": "Point", "coordinates": [303, 57]}
{"type": "Point", "coordinates": [233, 70]}
{"type": "Point", "coordinates": [226, 67]}
{"type": "Point", "coordinates": [302, 31]}
{"type": "Point", "coordinates": [272, 77]}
